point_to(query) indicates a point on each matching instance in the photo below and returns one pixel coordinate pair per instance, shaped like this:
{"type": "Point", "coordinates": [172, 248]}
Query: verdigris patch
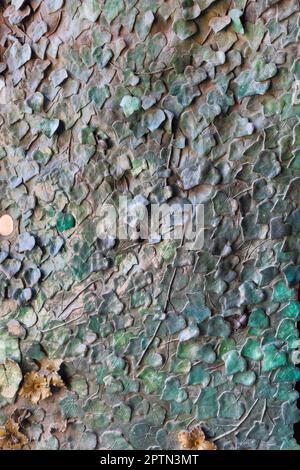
{"type": "Point", "coordinates": [169, 104]}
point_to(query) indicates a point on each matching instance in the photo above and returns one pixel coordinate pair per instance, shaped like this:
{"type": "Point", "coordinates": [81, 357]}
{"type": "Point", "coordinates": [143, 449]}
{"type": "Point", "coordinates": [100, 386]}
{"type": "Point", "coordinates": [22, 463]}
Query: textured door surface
{"type": "Point", "coordinates": [182, 335]}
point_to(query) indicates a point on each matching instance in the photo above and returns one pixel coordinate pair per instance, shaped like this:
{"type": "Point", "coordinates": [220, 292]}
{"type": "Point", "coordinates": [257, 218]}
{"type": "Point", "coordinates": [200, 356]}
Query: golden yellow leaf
{"type": "Point", "coordinates": [35, 387]}
{"type": "Point", "coordinates": [49, 368]}
{"type": "Point", "coordinates": [10, 436]}
{"type": "Point", "coordinates": [195, 440]}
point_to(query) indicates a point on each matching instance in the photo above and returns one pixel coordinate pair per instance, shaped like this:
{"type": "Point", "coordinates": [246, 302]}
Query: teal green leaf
{"type": "Point", "coordinates": [49, 126]}
{"type": "Point", "coordinates": [234, 362]}
{"type": "Point", "coordinates": [235, 15]}
{"type": "Point", "coordinates": [130, 104]}
{"type": "Point", "coordinates": [207, 404]}
{"type": "Point", "coordinates": [184, 29]}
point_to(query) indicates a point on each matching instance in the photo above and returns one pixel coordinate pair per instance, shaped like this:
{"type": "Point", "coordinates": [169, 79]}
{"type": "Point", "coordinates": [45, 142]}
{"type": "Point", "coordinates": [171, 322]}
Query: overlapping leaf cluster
{"type": "Point", "coordinates": [189, 102]}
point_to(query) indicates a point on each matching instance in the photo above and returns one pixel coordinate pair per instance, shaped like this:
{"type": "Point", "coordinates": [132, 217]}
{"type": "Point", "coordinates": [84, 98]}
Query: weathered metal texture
{"type": "Point", "coordinates": [162, 101]}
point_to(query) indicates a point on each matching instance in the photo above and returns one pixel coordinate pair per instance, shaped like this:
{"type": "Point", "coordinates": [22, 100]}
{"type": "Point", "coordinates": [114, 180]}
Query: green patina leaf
{"type": "Point", "coordinates": [184, 29]}
{"type": "Point", "coordinates": [49, 126]}
{"type": "Point", "coordinates": [112, 8]}
{"type": "Point", "coordinates": [130, 104]}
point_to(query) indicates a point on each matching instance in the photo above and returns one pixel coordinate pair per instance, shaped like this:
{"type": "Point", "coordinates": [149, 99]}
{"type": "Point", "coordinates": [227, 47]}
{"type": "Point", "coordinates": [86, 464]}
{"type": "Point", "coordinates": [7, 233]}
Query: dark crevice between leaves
{"type": "Point", "coordinates": [65, 375]}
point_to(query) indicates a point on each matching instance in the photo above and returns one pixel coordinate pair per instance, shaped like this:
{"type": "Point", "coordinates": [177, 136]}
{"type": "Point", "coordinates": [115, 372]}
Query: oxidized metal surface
{"type": "Point", "coordinates": [128, 345]}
